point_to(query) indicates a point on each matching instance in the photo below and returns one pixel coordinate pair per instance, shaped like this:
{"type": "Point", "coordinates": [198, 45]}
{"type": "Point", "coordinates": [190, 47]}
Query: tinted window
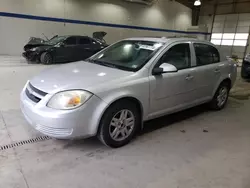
{"type": "Point", "coordinates": [84, 40]}
{"type": "Point", "coordinates": [178, 55]}
{"type": "Point", "coordinates": [55, 40]}
{"type": "Point", "coordinates": [70, 41]}
{"type": "Point", "coordinates": [206, 54]}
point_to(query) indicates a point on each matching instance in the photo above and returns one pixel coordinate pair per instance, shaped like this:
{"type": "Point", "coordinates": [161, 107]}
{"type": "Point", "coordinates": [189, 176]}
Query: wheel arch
{"type": "Point", "coordinates": [122, 98]}
{"type": "Point", "coordinates": [226, 79]}
{"type": "Point", "coordinates": [49, 51]}
{"type": "Point", "coordinates": [132, 99]}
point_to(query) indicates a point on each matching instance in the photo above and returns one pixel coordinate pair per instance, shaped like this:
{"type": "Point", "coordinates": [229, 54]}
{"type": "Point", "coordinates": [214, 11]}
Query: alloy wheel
{"type": "Point", "coordinates": [222, 96]}
{"type": "Point", "coordinates": [47, 59]}
{"type": "Point", "coordinates": [122, 125]}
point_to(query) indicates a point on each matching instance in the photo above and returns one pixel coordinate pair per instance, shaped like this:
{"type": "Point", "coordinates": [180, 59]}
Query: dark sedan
{"type": "Point", "coordinates": [245, 69]}
{"type": "Point", "coordinates": [64, 48]}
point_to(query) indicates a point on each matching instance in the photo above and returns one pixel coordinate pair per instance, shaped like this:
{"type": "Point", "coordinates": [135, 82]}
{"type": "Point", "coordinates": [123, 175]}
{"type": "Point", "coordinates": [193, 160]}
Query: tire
{"type": "Point", "coordinates": [221, 96]}
{"type": "Point", "coordinates": [46, 58]}
{"type": "Point", "coordinates": [114, 125]}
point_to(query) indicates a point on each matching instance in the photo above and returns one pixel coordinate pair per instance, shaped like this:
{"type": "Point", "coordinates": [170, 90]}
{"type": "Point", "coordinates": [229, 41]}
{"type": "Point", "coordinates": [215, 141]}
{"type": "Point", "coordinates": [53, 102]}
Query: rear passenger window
{"type": "Point", "coordinates": [84, 40]}
{"type": "Point", "coordinates": [70, 41]}
{"type": "Point", "coordinates": [206, 54]}
{"type": "Point", "coordinates": [178, 55]}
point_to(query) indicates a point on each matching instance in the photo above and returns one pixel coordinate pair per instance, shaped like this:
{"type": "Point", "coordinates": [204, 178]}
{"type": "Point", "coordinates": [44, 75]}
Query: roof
{"type": "Point", "coordinates": [73, 36]}
{"type": "Point", "coordinates": [168, 39]}
{"type": "Point", "coordinates": [153, 39]}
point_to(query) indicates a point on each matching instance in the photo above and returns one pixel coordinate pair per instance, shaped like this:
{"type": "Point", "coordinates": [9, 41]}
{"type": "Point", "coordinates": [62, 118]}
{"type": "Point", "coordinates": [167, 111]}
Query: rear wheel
{"type": "Point", "coordinates": [221, 96]}
{"type": "Point", "coordinates": [46, 58]}
{"type": "Point", "coordinates": [119, 124]}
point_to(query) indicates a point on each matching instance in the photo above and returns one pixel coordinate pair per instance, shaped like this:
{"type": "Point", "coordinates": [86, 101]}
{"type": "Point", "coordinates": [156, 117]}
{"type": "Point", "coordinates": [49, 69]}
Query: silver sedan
{"type": "Point", "coordinates": [112, 93]}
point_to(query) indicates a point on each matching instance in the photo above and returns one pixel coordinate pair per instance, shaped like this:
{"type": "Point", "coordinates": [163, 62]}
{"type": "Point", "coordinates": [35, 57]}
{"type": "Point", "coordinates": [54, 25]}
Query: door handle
{"type": "Point", "coordinates": [189, 77]}
{"type": "Point", "coordinates": [217, 70]}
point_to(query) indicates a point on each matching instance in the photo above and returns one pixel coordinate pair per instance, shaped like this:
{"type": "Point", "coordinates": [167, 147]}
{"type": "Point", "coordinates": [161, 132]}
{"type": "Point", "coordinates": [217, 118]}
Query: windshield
{"type": "Point", "coordinates": [55, 40]}
{"type": "Point", "coordinates": [128, 55]}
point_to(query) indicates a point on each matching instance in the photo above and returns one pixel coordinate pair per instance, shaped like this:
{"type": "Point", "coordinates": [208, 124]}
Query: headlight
{"type": "Point", "coordinates": [68, 99]}
{"type": "Point", "coordinates": [33, 49]}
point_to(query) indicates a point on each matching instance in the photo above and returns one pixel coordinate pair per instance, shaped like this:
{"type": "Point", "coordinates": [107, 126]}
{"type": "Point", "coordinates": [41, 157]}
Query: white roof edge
{"type": "Point", "coordinates": [156, 39]}
{"type": "Point", "coordinates": [165, 39]}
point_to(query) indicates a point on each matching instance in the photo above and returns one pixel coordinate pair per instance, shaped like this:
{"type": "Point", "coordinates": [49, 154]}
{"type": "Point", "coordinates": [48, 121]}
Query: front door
{"type": "Point", "coordinates": [85, 48]}
{"type": "Point", "coordinates": [170, 92]}
{"type": "Point", "coordinates": [67, 51]}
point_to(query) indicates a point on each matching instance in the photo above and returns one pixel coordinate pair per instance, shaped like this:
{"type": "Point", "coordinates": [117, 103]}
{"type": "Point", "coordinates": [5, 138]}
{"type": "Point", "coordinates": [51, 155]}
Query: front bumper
{"type": "Point", "coordinates": [63, 124]}
{"type": "Point", "coordinates": [31, 56]}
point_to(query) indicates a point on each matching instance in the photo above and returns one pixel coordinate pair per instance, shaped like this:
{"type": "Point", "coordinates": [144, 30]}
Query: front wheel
{"type": "Point", "coordinates": [119, 124]}
{"type": "Point", "coordinates": [46, 58]}
{"type": "Point", "coordinates": [221, 96]}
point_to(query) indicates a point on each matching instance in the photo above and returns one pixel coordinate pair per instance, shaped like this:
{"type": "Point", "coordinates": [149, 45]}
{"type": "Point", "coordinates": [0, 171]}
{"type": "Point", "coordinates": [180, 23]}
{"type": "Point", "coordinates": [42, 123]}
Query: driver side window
{"type": "Point", "coordinates": [178, 55]}
{"type": "Point", "coordinates": [70, 41]}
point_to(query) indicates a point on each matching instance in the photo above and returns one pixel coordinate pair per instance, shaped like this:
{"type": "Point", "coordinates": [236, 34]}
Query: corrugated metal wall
{"type": "Point", "coordinates": [231, 33]}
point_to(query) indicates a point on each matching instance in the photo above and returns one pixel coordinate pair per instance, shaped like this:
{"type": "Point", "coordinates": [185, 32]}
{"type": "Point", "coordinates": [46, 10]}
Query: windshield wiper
{"type": "Point", "coordinates": [102, 63]}
{"type": "Point", "coordinates": [106, 64]}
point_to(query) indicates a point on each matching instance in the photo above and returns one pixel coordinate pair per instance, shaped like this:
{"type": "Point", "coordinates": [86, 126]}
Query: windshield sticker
{"type": "Point", "coordinates": [134, 66]}
{"type": "Point", "coordinates": [148, 47]}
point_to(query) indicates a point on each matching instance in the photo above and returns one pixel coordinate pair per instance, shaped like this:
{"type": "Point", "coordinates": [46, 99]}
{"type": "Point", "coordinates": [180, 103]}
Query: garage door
{"type": "Point", "coordinates": [231, 33]}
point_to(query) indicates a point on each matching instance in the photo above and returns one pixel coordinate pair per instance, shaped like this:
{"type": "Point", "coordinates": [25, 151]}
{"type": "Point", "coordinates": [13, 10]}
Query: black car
{"type": "Point", "coordinates": [245, 69]}
{"type": "Point", "coordinates": [64, 48]}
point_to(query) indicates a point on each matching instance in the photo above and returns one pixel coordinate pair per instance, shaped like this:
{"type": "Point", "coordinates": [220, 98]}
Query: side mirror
{"type": "Point", "coordinates": [164, 68]}
{"type": "Point", "coordinates": [62, 44]}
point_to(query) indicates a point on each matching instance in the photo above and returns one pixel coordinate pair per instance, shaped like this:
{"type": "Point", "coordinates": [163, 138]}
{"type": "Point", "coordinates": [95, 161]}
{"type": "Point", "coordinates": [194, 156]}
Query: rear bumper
{"type": "Point", "coordinates": [31, 56]}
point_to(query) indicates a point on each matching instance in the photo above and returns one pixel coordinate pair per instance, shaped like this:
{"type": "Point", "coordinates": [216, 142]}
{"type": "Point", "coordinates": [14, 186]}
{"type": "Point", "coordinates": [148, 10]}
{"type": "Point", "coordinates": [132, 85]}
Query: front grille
{"type": "Point", "coordinates": [34, 94]}
{"type": "Point", "coordinates": [37, 90]}
{"type": "Point", "coordinates": [32, 97]}
{"type": "Point", "coordinates": [28, 54]}
{"type": "Point", "coordinates": [51, 131]}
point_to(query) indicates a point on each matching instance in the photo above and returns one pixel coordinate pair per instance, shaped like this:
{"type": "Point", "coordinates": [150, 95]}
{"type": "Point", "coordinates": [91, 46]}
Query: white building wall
{"type": "Point", "coordinates": [14, 32]}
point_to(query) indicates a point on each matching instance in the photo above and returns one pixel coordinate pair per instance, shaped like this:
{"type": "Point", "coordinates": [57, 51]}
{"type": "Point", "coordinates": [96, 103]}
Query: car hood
{"type": "Point", "coordinates": [27, 47]}
{"type": "Point", "coordinates": [78, 75]}
{"type": "Point", "coordinates": [35, 40]}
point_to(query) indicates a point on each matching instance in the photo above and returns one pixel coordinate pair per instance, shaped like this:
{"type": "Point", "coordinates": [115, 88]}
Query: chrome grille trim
{"type": "Point", "coordinates": [31, 96]}
{"type": "Point", "coordinates": [34, 94]}
{"type": "Point", "coordinates": [42, 93]}
{"type": "Point", "coordinates": [54, 131]}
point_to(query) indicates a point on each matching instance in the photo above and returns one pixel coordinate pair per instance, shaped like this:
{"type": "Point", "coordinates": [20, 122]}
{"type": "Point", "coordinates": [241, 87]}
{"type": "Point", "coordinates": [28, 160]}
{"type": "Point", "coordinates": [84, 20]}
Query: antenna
{"type": "Point", "coordinates": [45, 36]}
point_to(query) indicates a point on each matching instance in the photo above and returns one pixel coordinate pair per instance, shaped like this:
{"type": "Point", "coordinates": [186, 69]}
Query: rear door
{"type": "Point", "coordinates": [208, 69]}
{"type": "Point", "coordinates": [86, 48]}
{"type": "Point", "coordinates": [67, 52]}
